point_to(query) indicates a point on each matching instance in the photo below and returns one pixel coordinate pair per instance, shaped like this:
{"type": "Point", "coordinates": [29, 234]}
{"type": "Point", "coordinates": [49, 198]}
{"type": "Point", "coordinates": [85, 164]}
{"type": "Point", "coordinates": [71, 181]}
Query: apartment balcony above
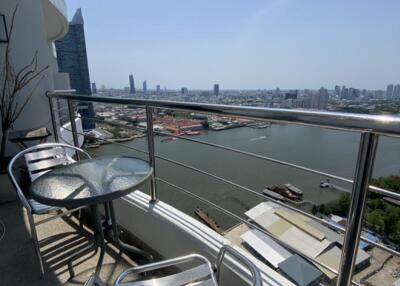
{"type": "Point", "coordinates": [56, 21]}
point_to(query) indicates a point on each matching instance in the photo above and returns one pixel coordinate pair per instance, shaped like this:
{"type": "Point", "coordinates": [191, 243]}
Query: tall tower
{"type": "Point", "coordinates": [94, 88]}
{"type": "Point", "coordinates": [144, 87]}
{"type": "Point", "coordinates": [72, 59]}
{"type": "Point", "coordinates": [216, 89]}
{"type": "Point", "coordinates": [131, 85]}
{"type": "Point", "coordinates": [389, 91]}
{"type": "Point", "coordinates": [396, 91]}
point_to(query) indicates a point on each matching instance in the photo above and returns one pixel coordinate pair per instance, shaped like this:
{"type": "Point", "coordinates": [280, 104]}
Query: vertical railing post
{"type": "Point", "coordinates": [150, 144]}
{"type": "Point", "coordinates": [364, 168]}
{"type": "Point", "coordinates": [71, 112]}
{"type": "Point", "coordinates": [53, 119]}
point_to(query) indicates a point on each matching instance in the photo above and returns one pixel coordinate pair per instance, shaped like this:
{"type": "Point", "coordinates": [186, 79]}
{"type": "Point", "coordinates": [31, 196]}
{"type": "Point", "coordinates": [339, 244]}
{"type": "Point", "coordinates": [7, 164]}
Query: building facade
{"type": "Point", "coordinates": [145, 87]}
{"type": "Point", "coordinates": [72, 59]}
{"type": "Point", "coordinates": [131, 85]}
{"type": "Point", "coordinates": [216, 89]}
{"type": "Point", "coordinates": [389, 91]}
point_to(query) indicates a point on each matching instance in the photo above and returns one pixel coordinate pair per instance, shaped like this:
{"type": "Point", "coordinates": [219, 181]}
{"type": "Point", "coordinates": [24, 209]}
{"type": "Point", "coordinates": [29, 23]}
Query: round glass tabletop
{"type": "Point", "coordinates": [91, 181]}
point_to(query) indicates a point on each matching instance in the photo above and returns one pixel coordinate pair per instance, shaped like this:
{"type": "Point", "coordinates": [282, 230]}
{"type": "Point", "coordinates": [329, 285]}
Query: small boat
{"type": "Point", "coordinates": [191, 133]}
{"type": "Point", "coordinates": [91, 146]}
{"type": "Point", "coordinates": [294, 189]}
{"type": "Point", "coordinates": [324, 185]}
{"type": "Point", "coordinates": [207, 220]}
{"type": "Point", "coordinates": [170, 138]}
{"type": "Point", "coordinates": [273, 195]}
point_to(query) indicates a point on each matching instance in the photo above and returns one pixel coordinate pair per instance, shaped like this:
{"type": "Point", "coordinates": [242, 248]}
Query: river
{"type": "Point", "coordinates": [322, 149]}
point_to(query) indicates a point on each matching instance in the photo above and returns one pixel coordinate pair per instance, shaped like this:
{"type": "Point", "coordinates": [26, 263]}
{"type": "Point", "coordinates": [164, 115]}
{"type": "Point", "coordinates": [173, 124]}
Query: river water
{"type": "Point", "coordinates": [322, 149]}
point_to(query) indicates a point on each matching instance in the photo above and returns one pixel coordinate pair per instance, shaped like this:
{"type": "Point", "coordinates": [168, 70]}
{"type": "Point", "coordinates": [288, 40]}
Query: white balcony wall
{"type": "Point", "coordinates": [37, 24]}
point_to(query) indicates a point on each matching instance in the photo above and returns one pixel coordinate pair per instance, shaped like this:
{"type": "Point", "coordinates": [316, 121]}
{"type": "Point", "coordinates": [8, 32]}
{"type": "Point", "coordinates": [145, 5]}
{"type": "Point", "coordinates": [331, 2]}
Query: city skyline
{"type": "Point", "coordinates": [257, 45]}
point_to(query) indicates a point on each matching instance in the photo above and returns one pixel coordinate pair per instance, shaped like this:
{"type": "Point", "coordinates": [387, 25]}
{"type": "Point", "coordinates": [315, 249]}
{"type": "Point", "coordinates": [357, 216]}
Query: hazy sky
{"type": "Point", "coordinates": [246, 44]}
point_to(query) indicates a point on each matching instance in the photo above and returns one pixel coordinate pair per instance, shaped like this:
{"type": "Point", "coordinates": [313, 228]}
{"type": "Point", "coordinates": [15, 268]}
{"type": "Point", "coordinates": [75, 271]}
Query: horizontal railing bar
{"type": "Point", "coordinates": [252, 225]}
{"type": "Point", "coordinates": [372, 188]}
{"type": "Point", "coordinates": [345, 121]}
{"type": "Point", "coordinates": [156, 103]}
{"type": "Point", "coordinates": [110, 142]}
{"type": "Point", "coordinates": [324, 222]}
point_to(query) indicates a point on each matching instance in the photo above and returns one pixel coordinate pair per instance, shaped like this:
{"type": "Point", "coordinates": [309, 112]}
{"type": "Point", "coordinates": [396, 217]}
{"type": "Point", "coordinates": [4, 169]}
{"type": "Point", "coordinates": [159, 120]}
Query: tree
{"type": "Point", "coordinates": [12, 83]}
{"type": "Point", "coordinates": [376, 220]}
{"type": "Point", "coordinates": [314, 210]}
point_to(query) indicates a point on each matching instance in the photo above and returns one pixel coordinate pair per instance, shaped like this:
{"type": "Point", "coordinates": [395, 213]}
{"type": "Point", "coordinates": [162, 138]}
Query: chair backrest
{"type": "Point", "coordinates": [39, 160]}
{"type": "Point", "coordinates": [44, 160]}
{"type": "Point", "coordinates": [203, 274]}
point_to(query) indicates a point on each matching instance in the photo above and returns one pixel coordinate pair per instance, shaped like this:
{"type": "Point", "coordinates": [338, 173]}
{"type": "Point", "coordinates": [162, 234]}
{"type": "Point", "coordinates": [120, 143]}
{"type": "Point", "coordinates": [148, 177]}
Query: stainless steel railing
{"type": "Point", "coordinates": [370, 127]}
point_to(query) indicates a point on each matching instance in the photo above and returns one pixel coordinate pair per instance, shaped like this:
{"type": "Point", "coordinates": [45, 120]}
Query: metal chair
{"type": "Point", "coordinates": [39, 160]}
{"type": "Point", "coordinates": [204, 274]}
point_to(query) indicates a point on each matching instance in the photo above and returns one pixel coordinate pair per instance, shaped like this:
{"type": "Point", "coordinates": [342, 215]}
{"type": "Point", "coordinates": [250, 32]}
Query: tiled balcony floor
{"type": "Point", "coordinates": [18, 263]}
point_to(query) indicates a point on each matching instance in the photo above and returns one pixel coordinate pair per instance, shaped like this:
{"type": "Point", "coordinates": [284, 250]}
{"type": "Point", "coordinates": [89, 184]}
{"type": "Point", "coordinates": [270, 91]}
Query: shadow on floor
{"type": "Point", "coordinates": [59, 240]}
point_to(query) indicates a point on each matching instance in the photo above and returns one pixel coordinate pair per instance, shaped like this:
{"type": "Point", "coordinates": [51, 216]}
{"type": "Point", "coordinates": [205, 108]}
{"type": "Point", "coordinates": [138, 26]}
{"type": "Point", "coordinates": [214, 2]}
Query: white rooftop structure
{"type": "Point", "coordinates": [265, 246]}
{"type": "Point", "coordinates": [302, 233]}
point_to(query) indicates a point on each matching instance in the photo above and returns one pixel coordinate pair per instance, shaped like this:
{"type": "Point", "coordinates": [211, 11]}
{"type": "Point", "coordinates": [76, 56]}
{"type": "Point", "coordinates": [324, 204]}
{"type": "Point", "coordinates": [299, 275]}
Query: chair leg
{"type": "Point", "coordinates": [36, 243]}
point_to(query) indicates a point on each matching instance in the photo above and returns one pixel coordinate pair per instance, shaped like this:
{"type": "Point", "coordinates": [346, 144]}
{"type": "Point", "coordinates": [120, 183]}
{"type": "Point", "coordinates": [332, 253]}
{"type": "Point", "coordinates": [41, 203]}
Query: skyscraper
{"type": "Point", "coordinates": [184, 91]}
{"type": "Point", "coordinates": [94, 88]}
{"type": "Point", "coordinates": [216, 89]}
{"type": "Point", "coordinates": [145, 87]}
{"type": "Point", "coordinates": [337, 90]}
{"type": "Point", "coordinates": [158, 89]}
{"type": "Point", "coordinates": [320, 100]}
{"type": "Point", "coordinates": [396, 91]}
{"type": "Point", "coordinates": [72, 59]}
{"type": "Point", "coordinates": [131, 85]}
{"type": "Point", "coordinates": [389, 91]}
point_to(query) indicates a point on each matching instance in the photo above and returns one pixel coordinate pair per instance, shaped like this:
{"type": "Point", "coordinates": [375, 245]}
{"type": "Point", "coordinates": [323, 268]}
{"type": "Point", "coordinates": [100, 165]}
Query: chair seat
{"type": "Point", "coordinates": [38, 208]}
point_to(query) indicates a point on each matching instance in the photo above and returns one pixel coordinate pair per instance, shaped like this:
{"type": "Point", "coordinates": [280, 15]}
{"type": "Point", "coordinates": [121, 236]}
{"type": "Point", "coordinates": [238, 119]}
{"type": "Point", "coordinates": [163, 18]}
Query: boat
{"type": "Point", "coordinates": [294, 189]}
{"type": "Point", "coordinates": [273, 195]}
{"type": "Point", "coordinates": [207, 220]}
{"type": "Point", "coordinates": [92, 146]}
{"type": "Point", "coordinates": [191, 133]}
{"type": "Point", "coordinates": [324, 185]}
{"type": "Point", "coordinates": [284, 192]}
{"type": "Point", "coordinates": [170, 138]}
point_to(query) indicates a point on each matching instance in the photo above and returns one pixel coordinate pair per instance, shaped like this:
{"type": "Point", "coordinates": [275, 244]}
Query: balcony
{"type": "Point", "coordinates": [163, 217]}
{"type": "Point", "coordinates": [55, 12]}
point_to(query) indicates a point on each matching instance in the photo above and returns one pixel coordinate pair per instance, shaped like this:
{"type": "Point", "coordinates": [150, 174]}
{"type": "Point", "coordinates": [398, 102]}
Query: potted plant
{"type": "Point", "coordinates": [12, 100]}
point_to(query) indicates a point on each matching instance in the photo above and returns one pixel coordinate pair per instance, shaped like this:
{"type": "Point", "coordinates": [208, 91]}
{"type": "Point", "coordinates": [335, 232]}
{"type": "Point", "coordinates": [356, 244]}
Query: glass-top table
{"type": "Point", "coordinates": [91, 181]}
{"type": "Point", "coordinates": [94, 182]}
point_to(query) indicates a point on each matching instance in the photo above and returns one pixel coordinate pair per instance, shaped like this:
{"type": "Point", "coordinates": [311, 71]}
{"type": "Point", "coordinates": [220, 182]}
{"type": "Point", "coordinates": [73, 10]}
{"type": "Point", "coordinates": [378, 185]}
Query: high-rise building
{"type": "Point", "coordinates": [291, 94]}
{"type": "Point", "coordinates": [344, 93]}
{"type": "Point", "coordinates": [320, 99]}
{"type": "Point", "coordinates": [131, 85]}
{"type": "Point", "coordinates": [216, 89]}
{"type": "Point", "coordinates": [94, 88]}
{"type": "Point", "coordinates": [389, 91]}
{"type": "Point", "coordinates": [337, 90]}
{"type": "Point", "coordinates": [396, 91]}
{"type": "Point", "coordinates": [184, 91]}
{"type": "Point", "coordinates": [158, 89]}
{"type": "Point", "coordinates": [145, 87]}
{"type": "Point", "coordinates": [72, 59]}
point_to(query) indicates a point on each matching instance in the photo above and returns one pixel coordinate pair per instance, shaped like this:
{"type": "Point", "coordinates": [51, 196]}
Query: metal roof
{"type": "Point", "coordinates": [266, 247]}
{"type": "Point", "coordinates": [300, 271]}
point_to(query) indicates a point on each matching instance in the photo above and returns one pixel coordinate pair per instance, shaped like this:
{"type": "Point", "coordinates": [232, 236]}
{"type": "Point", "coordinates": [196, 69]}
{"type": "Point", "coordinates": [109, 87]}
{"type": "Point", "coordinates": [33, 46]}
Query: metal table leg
{"type": "Point", "coordinates": [98, 242]}
{"type": "Point", "coordinates": [121, 244]}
